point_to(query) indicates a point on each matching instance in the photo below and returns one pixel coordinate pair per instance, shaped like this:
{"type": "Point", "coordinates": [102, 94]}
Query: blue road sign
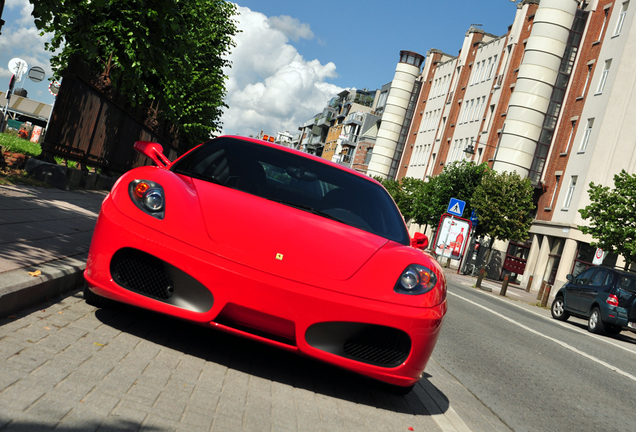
{"type": "Point", "coordinates": [456, 207]}
{"type": "Point", "coordinates": [473, 217]}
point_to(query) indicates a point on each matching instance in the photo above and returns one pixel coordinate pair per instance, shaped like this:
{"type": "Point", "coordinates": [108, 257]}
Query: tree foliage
{"type": "Point", "coordinates": [167, 55]}
{"type": "Point", "coordinates": [424, 202]}
{"type": "Point", "coordinates": [504, 206]}
{"type": "Point", "coordinates": [612, 216]}
{"type": "Point", "coordinates": [458, 180]}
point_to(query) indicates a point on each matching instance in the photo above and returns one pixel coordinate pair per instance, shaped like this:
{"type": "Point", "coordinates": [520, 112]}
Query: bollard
{"type": "Point", "coordinates": [529, 283]}
{"type": "Point", "coordinates": [546, 295]}
{"type": "Point", "coordinates": [504, 286]}
{"type": "Point", "coordinates": [540, 295]}
{"type": "Point", "coordinates": [480, 277]}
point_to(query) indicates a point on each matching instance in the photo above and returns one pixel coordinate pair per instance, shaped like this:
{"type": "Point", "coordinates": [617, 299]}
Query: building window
{"type": "Point", "coordinates": [482, 75]}
{"type": "Point", "coordinates": [586, 135]}
{"type": "Point", "coordinates": [600, 34]}
{"type": "Point", "coordinates": [556, 187]}
{"type": "Point", "coordinates": [469, 111]}
{"type": "Point", "coordinates": [492, 67]}
{"type": "Point", "coordinates": [621, 19]}
{"type": "Point", "coordinates": [567, 147]}
{"type": "Point", "coordinates": [601, 84]}
{"type": "Point", "coordinates": [568, 198]}
{"type": "Point", "coordinates": [587, 79]}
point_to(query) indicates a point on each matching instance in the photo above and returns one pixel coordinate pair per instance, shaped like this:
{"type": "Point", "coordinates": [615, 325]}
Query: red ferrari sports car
{"type": "Point", "coordinates": [275, 245]}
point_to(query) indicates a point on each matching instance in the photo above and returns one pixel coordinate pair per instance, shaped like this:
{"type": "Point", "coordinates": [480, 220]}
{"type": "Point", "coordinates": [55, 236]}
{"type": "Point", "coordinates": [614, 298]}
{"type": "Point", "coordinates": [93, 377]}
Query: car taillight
{"type": "Point", "coordinates": [149, 197]}
{"type": "Point", "coordinates": [612, 300]}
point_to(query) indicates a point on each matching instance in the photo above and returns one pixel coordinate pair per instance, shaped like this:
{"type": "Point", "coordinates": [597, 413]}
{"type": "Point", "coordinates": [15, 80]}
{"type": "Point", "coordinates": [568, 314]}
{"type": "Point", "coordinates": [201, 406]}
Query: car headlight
{"type": "Point", "coordinates": [415, 279]}
{"type": "Point", "coordinates": [149, 197]}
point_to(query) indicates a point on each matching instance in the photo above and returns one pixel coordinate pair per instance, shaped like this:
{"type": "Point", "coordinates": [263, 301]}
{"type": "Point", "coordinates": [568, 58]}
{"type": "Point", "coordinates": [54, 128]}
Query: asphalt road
{"type": "Point", "coordinates": [533, 372]}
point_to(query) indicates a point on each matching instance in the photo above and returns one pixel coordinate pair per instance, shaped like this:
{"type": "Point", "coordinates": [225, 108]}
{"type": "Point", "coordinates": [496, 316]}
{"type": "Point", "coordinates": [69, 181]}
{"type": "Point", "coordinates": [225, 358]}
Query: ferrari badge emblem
{"type": "Point", "coordinates": [279, 256]}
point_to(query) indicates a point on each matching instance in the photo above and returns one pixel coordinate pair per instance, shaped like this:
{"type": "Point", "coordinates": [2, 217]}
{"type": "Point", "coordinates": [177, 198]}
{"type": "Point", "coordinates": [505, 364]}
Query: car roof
{"type": "Point", "coordinates": [619, 271]}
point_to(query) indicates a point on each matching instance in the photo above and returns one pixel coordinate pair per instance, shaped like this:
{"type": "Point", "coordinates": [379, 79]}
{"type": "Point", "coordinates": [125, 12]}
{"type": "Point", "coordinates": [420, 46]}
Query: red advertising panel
{"type": "Point", "coordinates": [452, 236]}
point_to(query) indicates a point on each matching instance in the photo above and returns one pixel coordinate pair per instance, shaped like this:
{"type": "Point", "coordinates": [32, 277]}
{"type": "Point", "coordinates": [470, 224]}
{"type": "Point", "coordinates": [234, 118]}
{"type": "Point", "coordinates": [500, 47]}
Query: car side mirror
{"type": "Point", "coordinates": [419, 241]}
{"type": "Point", "coordinates": [153, 151]}
{"type": "Point", "coordinates": [570, 277]}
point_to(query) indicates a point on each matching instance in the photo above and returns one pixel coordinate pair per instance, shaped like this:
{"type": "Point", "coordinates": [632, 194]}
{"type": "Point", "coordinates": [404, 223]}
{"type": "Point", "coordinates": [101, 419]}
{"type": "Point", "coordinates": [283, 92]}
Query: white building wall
{"type": "Point", "coordinates": [611, 145]}
{"type": "Point", "coordinates": [427, 141]}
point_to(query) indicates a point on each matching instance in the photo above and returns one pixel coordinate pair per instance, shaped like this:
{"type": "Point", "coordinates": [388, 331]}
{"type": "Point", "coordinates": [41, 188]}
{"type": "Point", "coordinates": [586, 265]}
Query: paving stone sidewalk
{"type": "Point", "coordinates": [45, 235]}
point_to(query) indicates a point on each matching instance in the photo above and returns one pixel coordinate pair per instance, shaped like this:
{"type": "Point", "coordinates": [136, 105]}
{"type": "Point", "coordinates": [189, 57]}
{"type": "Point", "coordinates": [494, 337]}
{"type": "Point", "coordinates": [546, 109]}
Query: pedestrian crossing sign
{"type": "Point", "coordinates": [456, 207]}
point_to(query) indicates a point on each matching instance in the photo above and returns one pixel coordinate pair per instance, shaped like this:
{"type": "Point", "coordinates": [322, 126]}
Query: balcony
{"type": "Point", "coordinates": [354, 118]}
{"type": "Point", "coordinates": [348, 139]}
{"type": "Point", "coordinates": [342, 159]}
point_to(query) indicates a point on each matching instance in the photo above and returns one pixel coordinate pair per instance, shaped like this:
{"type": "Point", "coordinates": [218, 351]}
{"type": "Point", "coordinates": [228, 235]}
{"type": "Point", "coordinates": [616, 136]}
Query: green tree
{"type": "Point", "coordinates": [424, 202]}
{"type": "Point", "coordinates": [612, 215]}
{"type": "Point", "coordinates": [166, 55]}
{"type": "Point", "coordinates": [458, 180]}
{"type": "Point", "coordinates": [504, 206]}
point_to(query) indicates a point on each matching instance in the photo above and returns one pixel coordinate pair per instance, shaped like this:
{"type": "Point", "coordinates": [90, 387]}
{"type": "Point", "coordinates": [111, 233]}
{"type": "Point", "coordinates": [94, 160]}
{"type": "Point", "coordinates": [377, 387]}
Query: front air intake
{"type": "Point", "coordinates": [382, 346]}
{"type": "Point", "coordinates": [143, 273]}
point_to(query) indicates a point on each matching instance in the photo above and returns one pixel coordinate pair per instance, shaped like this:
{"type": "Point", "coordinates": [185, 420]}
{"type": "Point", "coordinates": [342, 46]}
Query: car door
{"type": "Point", "coordinates": [573, 289]}
{"type": "Point", "coordinates": [591, 289]}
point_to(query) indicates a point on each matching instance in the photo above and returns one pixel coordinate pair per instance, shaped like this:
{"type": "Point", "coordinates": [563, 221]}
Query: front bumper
{"type": "Point", "coordinates": [210, 290]}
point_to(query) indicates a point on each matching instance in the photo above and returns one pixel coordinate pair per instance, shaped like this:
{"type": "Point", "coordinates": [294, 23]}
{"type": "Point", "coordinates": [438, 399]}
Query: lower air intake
{"type": "Point", "coordinates": [381, 346]}
{"type": "Point", "coordinates": [143, 273]}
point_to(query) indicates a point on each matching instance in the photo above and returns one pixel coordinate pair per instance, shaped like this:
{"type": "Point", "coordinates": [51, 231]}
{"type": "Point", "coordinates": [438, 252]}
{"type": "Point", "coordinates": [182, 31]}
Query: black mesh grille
{"type": "Point", "coordinates": [141, 272]}
{"type": "Point", "coordinates": [382, 346]}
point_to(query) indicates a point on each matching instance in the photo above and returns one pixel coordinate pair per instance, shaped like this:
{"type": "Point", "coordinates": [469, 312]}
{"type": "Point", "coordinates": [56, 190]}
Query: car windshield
{"type": "Point", "coordinates": [296, 181]}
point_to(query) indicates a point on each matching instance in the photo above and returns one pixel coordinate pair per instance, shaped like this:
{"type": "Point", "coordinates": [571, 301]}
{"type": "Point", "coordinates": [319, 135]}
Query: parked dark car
{"type": "Point", "coordinates": [604, 296]}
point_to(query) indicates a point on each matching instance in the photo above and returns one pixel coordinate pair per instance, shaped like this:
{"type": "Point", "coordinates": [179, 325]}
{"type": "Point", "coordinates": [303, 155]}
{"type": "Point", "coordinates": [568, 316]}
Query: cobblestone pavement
{"type": "Point", "coordinates": [71, 367]}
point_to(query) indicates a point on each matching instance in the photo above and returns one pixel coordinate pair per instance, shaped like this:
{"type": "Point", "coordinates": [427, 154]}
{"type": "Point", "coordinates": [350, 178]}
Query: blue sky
{"type": "Point", "coordinates": [293, 56]}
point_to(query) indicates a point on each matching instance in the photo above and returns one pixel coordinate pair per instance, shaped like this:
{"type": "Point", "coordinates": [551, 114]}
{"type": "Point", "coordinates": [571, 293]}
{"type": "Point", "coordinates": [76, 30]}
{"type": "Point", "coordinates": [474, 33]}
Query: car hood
{"type": "Point", "coordinates": [282, 240]}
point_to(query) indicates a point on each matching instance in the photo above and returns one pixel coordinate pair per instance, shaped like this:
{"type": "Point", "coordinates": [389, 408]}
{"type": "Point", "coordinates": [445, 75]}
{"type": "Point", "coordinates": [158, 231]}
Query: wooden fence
{"type": "Point", "coordinates": [88, 127]}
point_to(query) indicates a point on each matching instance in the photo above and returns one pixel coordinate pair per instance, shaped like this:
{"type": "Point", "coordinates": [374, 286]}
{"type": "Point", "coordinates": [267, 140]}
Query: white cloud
{"type": "Point", "coordinates": [21, 39]}
{"type": "Point", "coordinates": [291, 27]}
{"type": "Point", "coordinates": [25, 10]}
{"type": "Point", "coordinates": [271, 86]}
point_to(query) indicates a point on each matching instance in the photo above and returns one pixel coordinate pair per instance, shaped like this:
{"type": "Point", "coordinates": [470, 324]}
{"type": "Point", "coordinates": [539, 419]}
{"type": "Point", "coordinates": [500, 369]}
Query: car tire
{"type": "Point", "coordinates": [595, 323]}
{"type": "Point", "coordinates": [558, 309]}
{"type": "Point", "coordinates": [95, 300]}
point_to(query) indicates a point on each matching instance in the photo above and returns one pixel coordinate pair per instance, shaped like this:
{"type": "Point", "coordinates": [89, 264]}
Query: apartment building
{"type": "Point", "coordinates": [331, 133]}
{"type": "Point", "coordinates": [553, 100]}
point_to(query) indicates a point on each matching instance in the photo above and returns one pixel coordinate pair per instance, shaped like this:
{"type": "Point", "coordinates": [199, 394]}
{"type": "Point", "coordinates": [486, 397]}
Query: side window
{"type": "Point", "coordinates": [609, 279]}
{"type": "Point", "coordinates": [599, 278]}
{"type": "Point", "coordinates": [585, 277]}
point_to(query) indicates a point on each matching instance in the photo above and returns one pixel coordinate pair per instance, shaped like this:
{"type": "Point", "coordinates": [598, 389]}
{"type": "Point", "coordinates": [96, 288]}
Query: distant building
{"type": "Point", "coordinates": [551, 100]}
{"type": "Point", "coordinates": [332, 134]}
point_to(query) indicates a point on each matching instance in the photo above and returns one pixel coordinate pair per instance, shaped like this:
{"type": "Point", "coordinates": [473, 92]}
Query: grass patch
{"type": "Point", "coordinates": [18, 145]}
